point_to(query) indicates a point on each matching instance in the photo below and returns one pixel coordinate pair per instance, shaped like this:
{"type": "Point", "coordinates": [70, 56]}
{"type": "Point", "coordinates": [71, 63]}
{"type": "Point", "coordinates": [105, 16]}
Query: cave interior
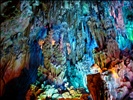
{"type": "Point", "coordinates": [66, 50]}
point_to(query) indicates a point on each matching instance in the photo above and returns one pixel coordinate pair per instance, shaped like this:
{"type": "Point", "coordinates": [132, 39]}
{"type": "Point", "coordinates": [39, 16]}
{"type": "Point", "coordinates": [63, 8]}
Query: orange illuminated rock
{"type": "Point", "coordinates": [84, 97]}
{"type": "Point", "coordinates": [41, 42]}
{"type": "Point", "coordinates": [95, 86]}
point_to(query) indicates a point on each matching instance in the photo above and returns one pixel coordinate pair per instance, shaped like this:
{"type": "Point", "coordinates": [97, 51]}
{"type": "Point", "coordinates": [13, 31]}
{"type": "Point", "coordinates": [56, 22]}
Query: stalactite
{"type": "Point", "coordinates": [51, 49]}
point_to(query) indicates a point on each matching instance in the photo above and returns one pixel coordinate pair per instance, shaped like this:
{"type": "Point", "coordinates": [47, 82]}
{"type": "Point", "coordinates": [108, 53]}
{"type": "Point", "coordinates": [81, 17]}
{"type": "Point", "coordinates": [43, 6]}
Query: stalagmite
{"type": "Point", "coordinates": [66, 50]}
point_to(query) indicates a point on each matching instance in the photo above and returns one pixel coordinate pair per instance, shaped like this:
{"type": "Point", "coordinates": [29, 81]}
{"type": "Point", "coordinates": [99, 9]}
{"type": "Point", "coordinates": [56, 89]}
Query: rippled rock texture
{"type": "Point", "coordinates": [66, 50]}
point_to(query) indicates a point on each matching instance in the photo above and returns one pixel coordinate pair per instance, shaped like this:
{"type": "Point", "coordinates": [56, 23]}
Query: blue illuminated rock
{"type": "Point", "coordinates": [47, 44]}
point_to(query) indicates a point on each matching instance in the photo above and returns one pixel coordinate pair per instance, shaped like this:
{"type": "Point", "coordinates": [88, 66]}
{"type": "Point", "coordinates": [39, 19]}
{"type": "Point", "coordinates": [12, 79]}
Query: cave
{"type": "Point", "coordinates": [66, 50]}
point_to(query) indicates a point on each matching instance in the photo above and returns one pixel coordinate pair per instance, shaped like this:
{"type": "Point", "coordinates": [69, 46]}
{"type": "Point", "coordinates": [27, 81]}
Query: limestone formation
{"type": "Point", "coordinates": [66, 50]}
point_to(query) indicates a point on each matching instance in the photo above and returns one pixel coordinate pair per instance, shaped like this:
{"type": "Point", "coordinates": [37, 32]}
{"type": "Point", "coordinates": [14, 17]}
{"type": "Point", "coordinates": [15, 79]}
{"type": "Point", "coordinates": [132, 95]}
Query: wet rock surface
{"type": "Point", "coordinates": [78, 50]}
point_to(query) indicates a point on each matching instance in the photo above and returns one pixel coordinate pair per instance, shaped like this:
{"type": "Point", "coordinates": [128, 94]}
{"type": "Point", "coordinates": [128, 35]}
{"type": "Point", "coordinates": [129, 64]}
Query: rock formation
{"type": "Point", "coordinates": [66, 50]}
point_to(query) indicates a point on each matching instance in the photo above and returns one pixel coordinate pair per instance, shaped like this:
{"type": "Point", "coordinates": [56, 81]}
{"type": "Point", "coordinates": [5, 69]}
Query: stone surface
{"type": "Point", "coordinates": [55, 46]}
{"type": "Point", "coordinates": [96, 86]}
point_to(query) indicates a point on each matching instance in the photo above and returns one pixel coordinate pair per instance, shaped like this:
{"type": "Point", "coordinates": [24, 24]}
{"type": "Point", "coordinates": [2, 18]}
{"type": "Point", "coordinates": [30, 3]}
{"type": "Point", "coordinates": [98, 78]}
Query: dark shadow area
{"type": "Point", "coordinates": [16, 88]}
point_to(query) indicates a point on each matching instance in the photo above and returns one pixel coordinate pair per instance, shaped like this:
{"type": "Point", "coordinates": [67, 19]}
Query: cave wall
{"type": "Point", "coordinates": [64, 42]}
